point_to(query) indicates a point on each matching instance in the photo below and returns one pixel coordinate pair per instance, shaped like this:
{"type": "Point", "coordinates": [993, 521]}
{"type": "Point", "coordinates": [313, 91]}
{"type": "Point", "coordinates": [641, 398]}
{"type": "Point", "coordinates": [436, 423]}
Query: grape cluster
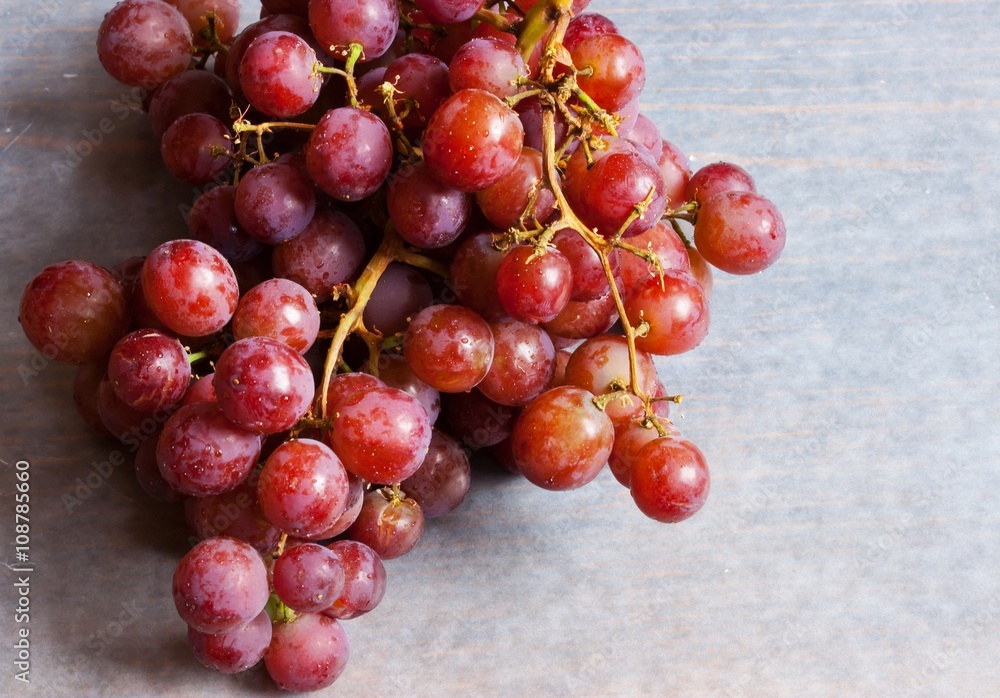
{"type": "Point", "coordinates": [428, 227]}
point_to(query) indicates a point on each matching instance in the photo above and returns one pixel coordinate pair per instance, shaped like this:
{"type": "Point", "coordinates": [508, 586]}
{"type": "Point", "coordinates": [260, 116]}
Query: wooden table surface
{"type": "Point", "coordinates": [846, 399]}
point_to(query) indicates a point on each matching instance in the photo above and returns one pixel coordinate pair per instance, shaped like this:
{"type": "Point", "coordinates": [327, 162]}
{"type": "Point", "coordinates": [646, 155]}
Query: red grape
{"type": "Point", "coordinates": [233, 651]}
{"type": "Point", "coordinates": [739, 232]}
{"type": "Point", "coordinates": [562, 440]}
{"type": "Point", "coordinates": [303, 487]}
{"type": "Point", "coordinates": [449, 347]}
{"type": "Point", "coordinates": [339, 23]}
{"type": "Point", "coordinates": [364, 580]}
{"type": "Point", "coordinates": [487, 64]}
{"type": "Point", "coordinates": [263, 384]}
{"type": "Point", "coordinates": [389, 525]}
{"type": "Point", "coordinates": [329, 252]}
{"type": "Point", "coordinates": [149, 370]}
{"type": "Point", "coordinates": [308, 578]}
{"type": "Point", "coordinates": [534, 287]}
{"type": "Point", "coordinates": [308, 653]}
{"type": "Point", "coordinates": [523, 363]}
{"type": "Point", "coordinates": [441, 482]}
{"type": "Point", "coordinates": [190, 286]}
{"type": "Point", "coordinates": [196, 148]}
{"type": "Point", "coordinates": [280, 309]}
{"type": "Point", "coordinates": [213, 221]}
{"type": "Point", "coordinates": [669, 479]}
{"type": "Point", "coordinates": [274, 202]}
{"type": "Point", "coordinates": [143, 43]}
{"type": "Point", "coordinates": [506, 201]}
{"type": "Point", "coordinates": [716, 178]}
{"type": "Point", "coordinates": [190, 92]}
{"type": "Point", "coordinates": [381, 434]}
{"type": "Point", "coordinates": [74, 312]}
{"type": "Point", "coordinates": [425, 212]}
{"type": "Point", "coordinates": [200, 452]}
{"type": "Point", "coordinates": [278, 75]}
{"type": "Point", "coordinates": [349, 153]}
{"type": "Point", "coordinates": [472, 140]}
{"type": "Point", "coordinates": [220, 585]}
{"type": "Point", "coordinates": [676, 310]}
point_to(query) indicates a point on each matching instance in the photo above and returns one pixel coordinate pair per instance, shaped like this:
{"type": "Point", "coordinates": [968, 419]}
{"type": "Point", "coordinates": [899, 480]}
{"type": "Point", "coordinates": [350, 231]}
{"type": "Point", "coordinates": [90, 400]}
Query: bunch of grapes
{"type": "Point", "coordinates": [427, 227]}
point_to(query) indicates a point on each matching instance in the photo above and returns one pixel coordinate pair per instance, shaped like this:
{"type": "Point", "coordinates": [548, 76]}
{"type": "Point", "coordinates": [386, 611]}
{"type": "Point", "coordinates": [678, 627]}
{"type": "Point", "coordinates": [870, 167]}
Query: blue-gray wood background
{"type": "Point", "coordinates": [846, 399]}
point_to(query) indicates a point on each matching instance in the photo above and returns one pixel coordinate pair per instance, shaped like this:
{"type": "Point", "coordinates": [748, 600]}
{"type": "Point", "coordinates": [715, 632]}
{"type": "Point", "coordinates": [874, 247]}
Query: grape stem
{"type": "Point", "coordinates": [354, 53]}
{"type": "Point", "coordinates": [495, 20]}
{"type": "Point", "coordinates": [555, 15]}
